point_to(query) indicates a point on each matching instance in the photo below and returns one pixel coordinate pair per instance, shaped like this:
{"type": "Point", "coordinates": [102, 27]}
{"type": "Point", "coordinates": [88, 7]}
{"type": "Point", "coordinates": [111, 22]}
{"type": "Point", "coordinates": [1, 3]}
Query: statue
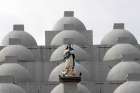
{"type": "Point", "coordinates": [69, 73]}
{"type": "Point", "coordinates": [69, 58]}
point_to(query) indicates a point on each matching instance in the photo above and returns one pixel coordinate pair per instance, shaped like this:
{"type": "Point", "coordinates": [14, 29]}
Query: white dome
{"type": "Point", "coordinates": [78, 89]}
{"type": "Point", "coordinates": [19, 73]}
{"type": "Point", "coordinates": [58, 54]}
{"type": "Point", "coordinates": [120, 71]}
{"type": "Point", "coordinates": [69, 19]}
{"type": "Point", "coordinates": [59, 39]}
{"type": "Point", "coordinates": [129, 87]}
{"type": "Point", "coordinates": [23, 38]}
{"type": "Point", "coordinates": [54, 75]}
{"type": "Point", "coordinates": [20, 52]}
{"type": "Point", "coordinates": [118, 52]}
{"type": "Point", "coordinates": [118, 36]}
{"type": "Point", "coordinates": [10, 88]}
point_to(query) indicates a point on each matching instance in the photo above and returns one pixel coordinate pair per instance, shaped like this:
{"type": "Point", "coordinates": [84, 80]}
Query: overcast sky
{"type": "Point", "coordinates": [97, 15]}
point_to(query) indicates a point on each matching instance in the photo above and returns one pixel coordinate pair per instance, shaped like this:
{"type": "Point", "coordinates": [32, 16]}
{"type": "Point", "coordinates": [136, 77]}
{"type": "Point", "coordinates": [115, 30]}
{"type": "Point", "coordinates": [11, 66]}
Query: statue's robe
{"type": "Point", "coordinates": [69, 63]}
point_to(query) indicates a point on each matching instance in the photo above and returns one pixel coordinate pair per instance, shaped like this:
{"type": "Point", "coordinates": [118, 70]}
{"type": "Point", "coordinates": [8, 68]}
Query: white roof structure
{"type": "Point", "coordinates": [73, 35]}
{"type": "Point", "coordinates": [58, 54]}
{"type": "Point", "coordinates": [120, 71]}
{"type": "Point", "coordinates": [119, 52]}
{"type": "Point", "coordinates": [10, 88]}
{"type": "Point", "coordinates": [74, 88]}
{"type": "Point", "coordinates": [129, 87]}
{"type": "Point", "coordinates": [16, 71]}
{"type": "Point", "coordinates": [119, 35]}
{"type": "Point", "coordinates": [19, 37]}
{"type": "Point", "coordinates": [21, 53]}
{"type": "Point", "coordinates": [69, 19]}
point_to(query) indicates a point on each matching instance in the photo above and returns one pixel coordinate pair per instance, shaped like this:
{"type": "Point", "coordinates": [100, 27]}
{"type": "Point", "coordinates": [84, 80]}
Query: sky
{"type": "Point", "coordinates": [97, 15]}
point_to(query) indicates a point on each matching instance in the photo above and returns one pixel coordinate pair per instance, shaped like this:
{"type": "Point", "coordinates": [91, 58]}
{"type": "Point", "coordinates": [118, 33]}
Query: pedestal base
{"type": "Point", "coordinates": [69, 79]}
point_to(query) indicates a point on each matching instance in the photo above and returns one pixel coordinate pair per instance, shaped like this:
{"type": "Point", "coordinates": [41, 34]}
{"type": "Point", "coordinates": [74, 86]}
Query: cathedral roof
{"type": "Point", "coordinates": [10, 88]}
{"type": "Point", "coordinates": [120, 71]}
{"type": "Point", "coordinates": [129, 87]}
{"type": "Point", "coordinates": [16, 71]}
{"type": "Point", "coordinates": [120, 52]}
{"type": "Point", "coordinates": [79, 88]}
{"type": "Point", "coordinates": [69, 19]}
{"type": "Point", "coordinates": [68, 35]}
{"type": "Point", "coordinates": [21, 53]}
{"type": "Point", "coordinates": [19, 37]}
{"type": "Point", "coordinates": [119, 35]}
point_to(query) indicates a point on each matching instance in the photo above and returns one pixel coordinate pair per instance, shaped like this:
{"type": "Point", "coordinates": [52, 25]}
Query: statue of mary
{"type": "Point", "coordinates": [69, 58]}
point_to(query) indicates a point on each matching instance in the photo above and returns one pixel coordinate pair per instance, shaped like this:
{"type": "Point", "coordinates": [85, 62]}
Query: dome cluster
{"type": "Point", "coordinates": [15, 50]}
{"type": "Point", "coordinates": [124, 59]}
{"type": "Point", "coordinates": [71, 30]}
{"type": "Point", "coordinates": [17, 46]}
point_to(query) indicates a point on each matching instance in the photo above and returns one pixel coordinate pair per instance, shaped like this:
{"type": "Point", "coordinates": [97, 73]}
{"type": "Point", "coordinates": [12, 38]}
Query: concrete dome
{"type": "Point", "coordinates": [60, 38]}
{"type": "Point", "coordinates": [120, 71]}
{"type": "Point", "coordinates": [118, 36]}
{"type": "Point", "coordinates": [126, 52]}
{"type": "Point", "coordinates": [10, 88]}
{"type": "Point", "coordinates": [19, 37]}
{"type": "Point", "coordinates": [21, 53]}
{"type": "Point", "coordinates": [58, 54]}
{"type": "Point", "coordinates": [73, 88]}
{"type": "Point", "coordinates": [69, 19]}
{"type": "Point", "coordinates": [54, 75]}
{"type": "Point", "coordinates": [129, 87]}
{"type": "Point", "coordinates": [16, 71]}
